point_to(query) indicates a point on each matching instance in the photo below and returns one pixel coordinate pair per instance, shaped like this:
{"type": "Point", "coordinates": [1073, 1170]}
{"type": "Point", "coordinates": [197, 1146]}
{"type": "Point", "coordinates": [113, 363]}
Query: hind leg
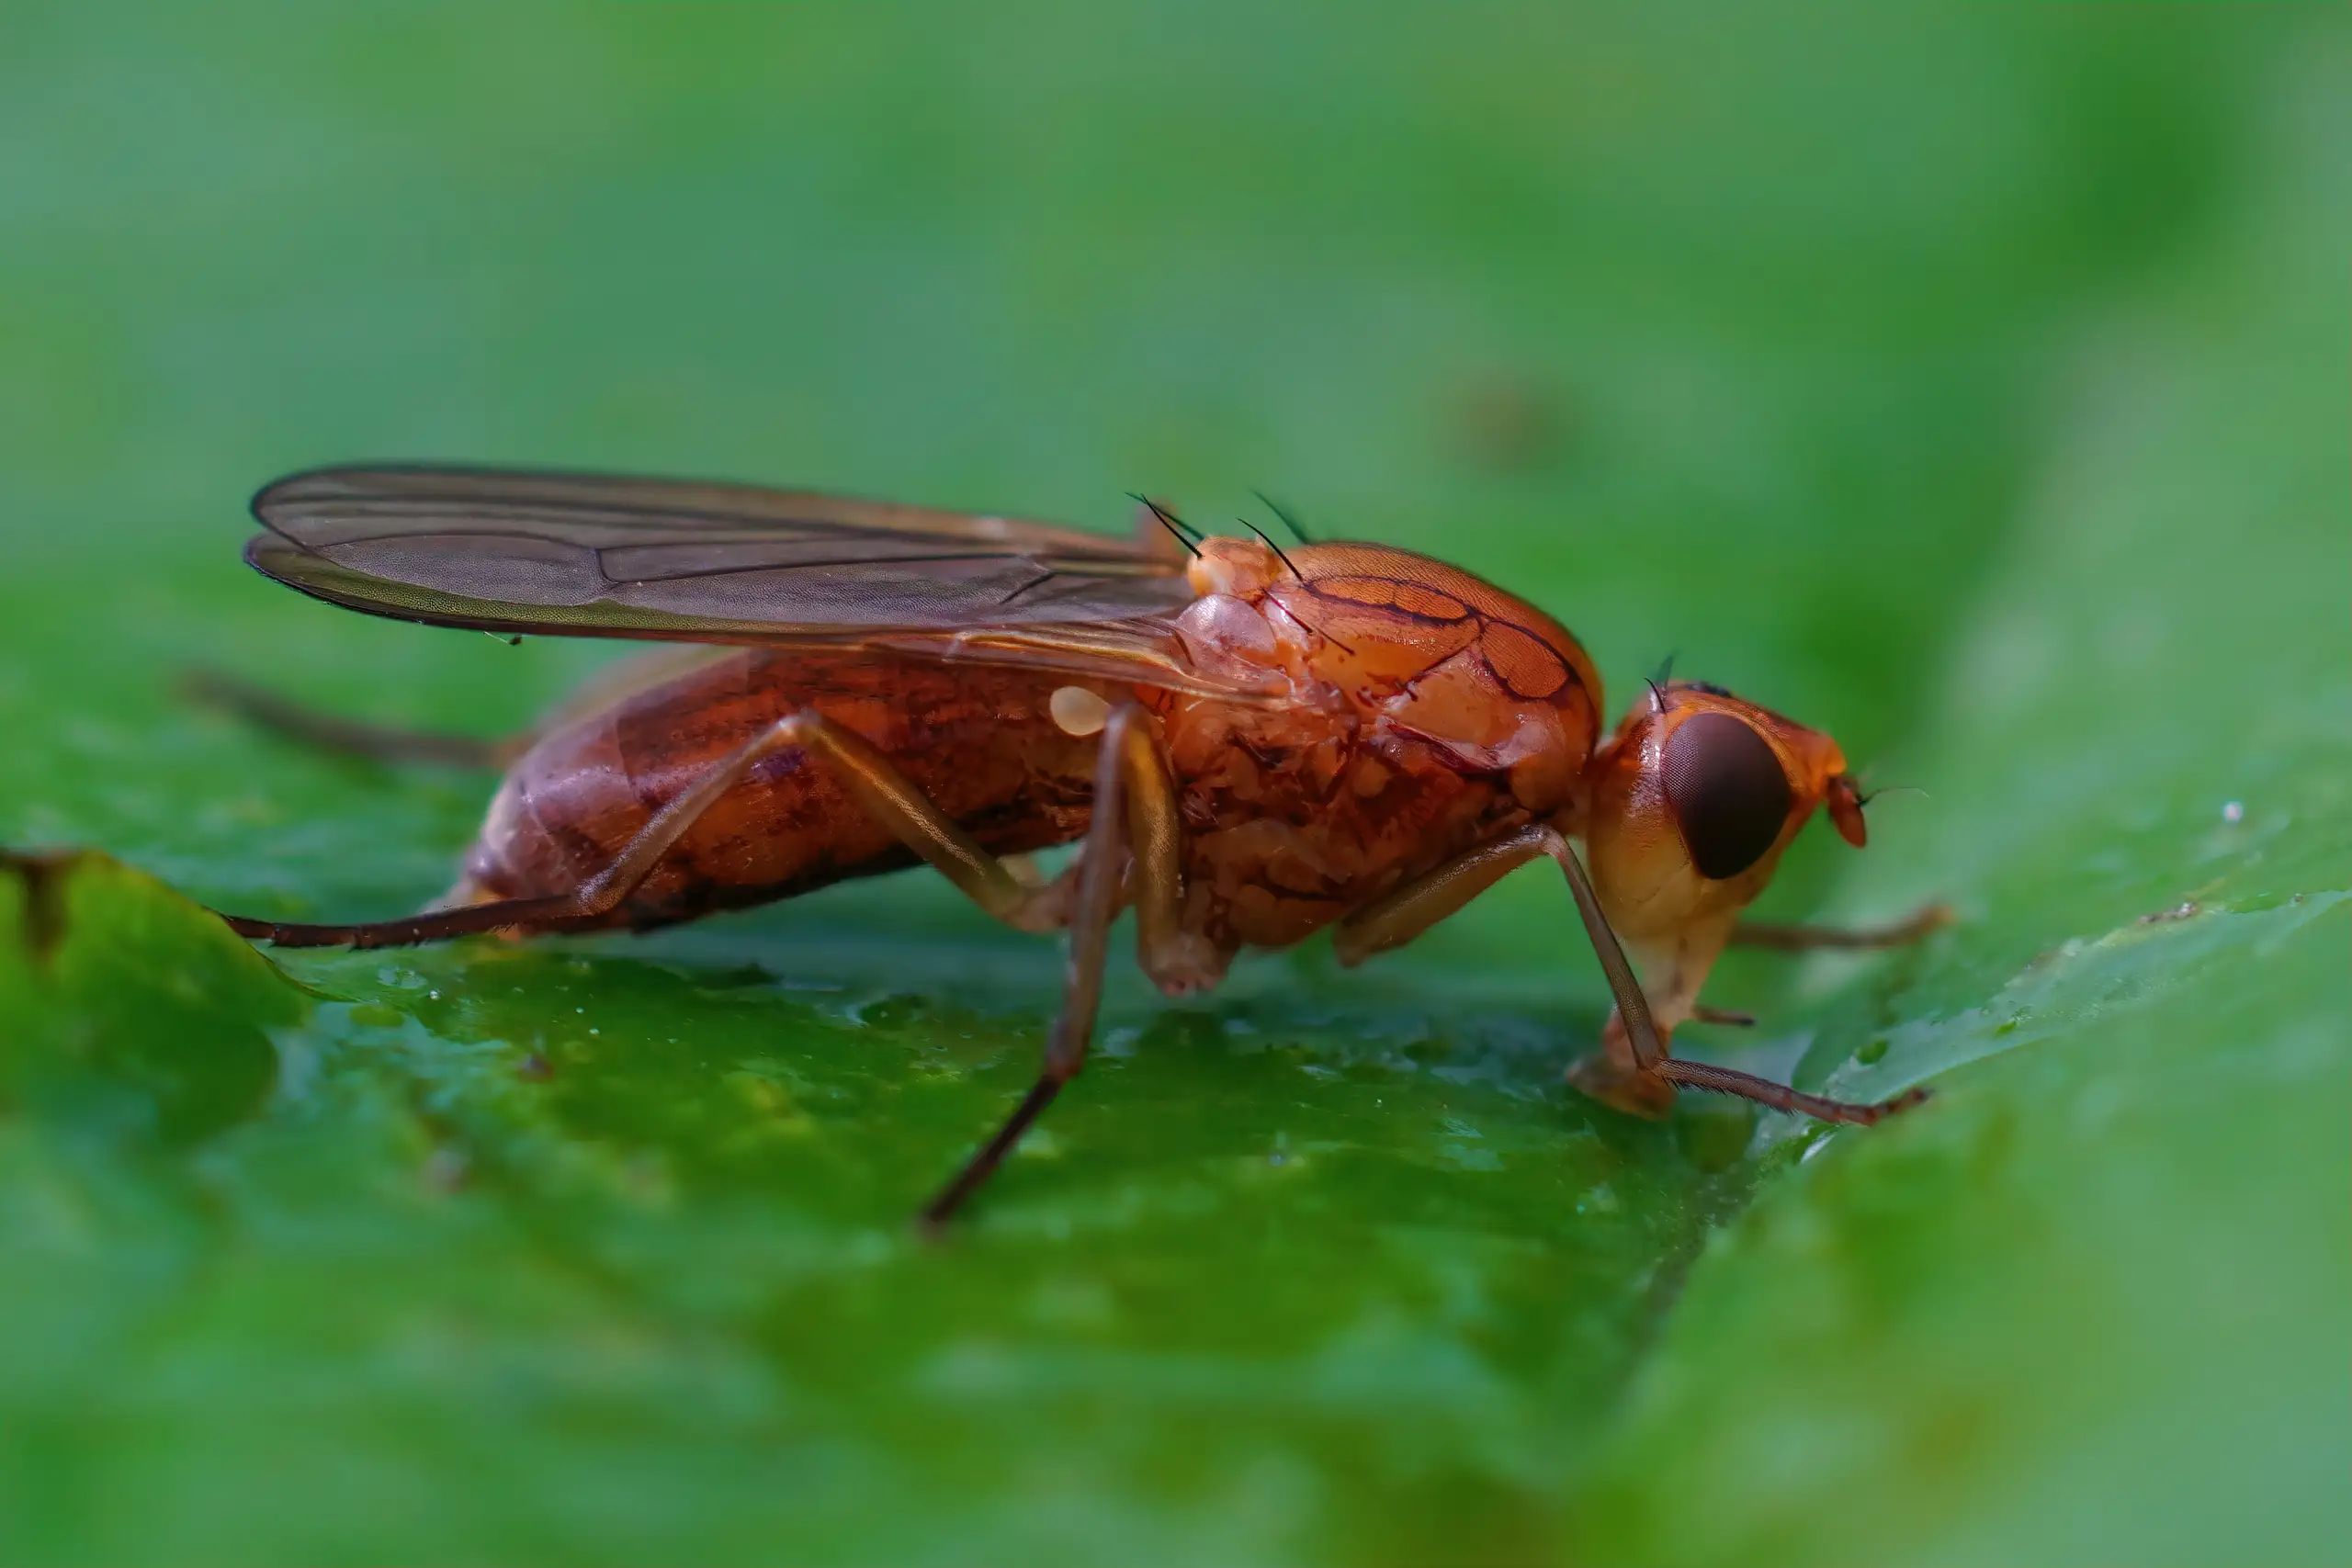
{"type": "Point", "coordinates": [599, 896]}
{"type": "Point", "coordinates": [351, 738]}
{"type": "Point", "coordinates": [878, 787]}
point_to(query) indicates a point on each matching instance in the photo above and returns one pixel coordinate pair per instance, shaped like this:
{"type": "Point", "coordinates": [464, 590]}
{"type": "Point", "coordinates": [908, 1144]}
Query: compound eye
{"type": "Point", "coordinates": [1728, 791]}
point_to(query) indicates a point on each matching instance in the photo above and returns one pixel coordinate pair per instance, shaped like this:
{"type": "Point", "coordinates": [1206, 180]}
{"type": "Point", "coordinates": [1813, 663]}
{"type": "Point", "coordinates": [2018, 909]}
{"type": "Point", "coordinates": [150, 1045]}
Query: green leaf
{"type": "Point", "coordinates": [131, 1016]}
{"type": "Point", "coordinates": [1967, 382]}
{"type": "Point", "coordinates": [2092, 1306]}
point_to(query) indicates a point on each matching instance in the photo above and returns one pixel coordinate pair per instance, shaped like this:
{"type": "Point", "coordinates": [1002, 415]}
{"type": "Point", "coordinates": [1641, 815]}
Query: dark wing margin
{"type": "Point", "coordinates": [587, 555]}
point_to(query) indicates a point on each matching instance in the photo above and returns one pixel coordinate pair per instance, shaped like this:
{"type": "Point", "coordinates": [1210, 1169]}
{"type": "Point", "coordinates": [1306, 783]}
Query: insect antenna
{"type": "Point", "coordinates": [1170, 522]}
{"type": "Point", "coordinates": [1861, 799]}
{"type": "Point", "coordinates": [1288, 520]}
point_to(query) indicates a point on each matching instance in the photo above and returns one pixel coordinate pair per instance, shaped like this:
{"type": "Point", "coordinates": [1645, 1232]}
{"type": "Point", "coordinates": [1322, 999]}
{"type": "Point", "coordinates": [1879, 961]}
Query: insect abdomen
{"type": "Point", "coordinates": [981, 743]}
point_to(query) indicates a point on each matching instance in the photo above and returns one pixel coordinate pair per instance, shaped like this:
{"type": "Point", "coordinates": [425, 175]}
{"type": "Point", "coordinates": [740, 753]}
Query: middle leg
{"type": "Point", "coordinates": [1134, 816]}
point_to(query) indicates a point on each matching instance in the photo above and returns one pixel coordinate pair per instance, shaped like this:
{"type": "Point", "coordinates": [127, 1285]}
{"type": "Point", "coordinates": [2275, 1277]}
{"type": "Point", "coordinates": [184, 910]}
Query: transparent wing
{"type": "Point", "coordinates": [585, 555]}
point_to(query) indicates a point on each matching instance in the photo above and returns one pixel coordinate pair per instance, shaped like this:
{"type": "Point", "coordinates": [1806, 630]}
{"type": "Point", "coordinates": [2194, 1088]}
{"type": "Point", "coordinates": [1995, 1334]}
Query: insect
{"type": "Point", "coordinates": [1248, 744]}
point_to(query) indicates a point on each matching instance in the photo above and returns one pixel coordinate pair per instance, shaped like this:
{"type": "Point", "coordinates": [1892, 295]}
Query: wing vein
{"type": "Point", "coordinates": [604, 555]}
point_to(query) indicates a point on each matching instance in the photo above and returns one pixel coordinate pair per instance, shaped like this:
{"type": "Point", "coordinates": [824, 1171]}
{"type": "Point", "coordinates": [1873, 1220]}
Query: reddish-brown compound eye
{"type": "Point", "coordinates": [1729, 793]}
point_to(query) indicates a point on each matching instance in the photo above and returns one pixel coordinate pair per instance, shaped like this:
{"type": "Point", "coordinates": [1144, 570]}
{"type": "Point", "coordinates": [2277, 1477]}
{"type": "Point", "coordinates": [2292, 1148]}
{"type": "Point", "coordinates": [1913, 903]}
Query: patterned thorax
{"type": "Point", "coordinates": [1424, 650]}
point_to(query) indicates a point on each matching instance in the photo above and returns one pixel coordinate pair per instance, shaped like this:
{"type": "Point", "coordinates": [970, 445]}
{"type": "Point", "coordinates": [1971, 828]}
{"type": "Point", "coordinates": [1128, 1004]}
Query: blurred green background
{"type": "Point", "coordinates": [1970, 383]}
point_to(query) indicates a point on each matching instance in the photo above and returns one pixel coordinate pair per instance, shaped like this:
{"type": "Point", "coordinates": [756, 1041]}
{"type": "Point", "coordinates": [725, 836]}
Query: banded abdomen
{"type": "Point", "coordinates": [979, 742]}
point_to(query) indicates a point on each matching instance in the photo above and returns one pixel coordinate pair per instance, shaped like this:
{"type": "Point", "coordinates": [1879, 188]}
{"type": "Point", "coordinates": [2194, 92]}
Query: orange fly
{"type": "Point", "coordinates": [1250, 744]}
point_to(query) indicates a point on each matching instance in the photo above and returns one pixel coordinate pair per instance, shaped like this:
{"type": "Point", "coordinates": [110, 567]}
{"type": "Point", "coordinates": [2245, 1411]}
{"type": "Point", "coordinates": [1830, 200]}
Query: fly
{"type": "Point", "coordinates": [1247, 744]}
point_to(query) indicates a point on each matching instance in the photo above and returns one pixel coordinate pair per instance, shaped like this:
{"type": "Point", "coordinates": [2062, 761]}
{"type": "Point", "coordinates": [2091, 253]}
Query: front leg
{"type": "Point", "coordinates": [1796, 939]}
{"type": "Point", "coordinates": [1610, 1076]}
{"type": "Point", "coordinates": [1674, 971]}
{"type": "Point", "coordinates": [1633, 1041]}
{"type": "Point", "coordinates": [1639, 1071]}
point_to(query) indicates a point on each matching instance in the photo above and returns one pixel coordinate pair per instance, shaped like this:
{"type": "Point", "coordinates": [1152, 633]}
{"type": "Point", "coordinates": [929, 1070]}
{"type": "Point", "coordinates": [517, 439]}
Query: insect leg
{"type": "Point", "coordinates": [354, 738]}
{"type": "Point", "coordinates": [892, 799]}
{"type": "Point", "coordinates": [1179, 961]}
{"type": "Point", "coordinates": [1796, 939]}
{"type": "Point", "coordinates": [433, 925]}
{"type": "Point", "coordinates": [1101, 866]}
{"type": "Point", "coordinates": [1640, 1030]}
{"type": "Point", "coordinates": [1619, 1074]}
{"type": "Point", "coordinates": [1398, 916]}
{"type": "Point", "coordinates": [1764, 1091]}
{"type": "Point", "coordinates": [880, 788]}
{"type": "Point", "coordinates": [1649, 1055]}
{"type": "Point", "coordinates": [598, 896]}
{"type": "Point", "coordinates": [1637, 1054]}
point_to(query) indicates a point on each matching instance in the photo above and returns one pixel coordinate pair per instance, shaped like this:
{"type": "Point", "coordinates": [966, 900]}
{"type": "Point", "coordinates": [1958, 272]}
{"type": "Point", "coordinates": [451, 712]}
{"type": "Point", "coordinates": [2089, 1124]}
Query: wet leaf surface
{"type": "Point", "coordinates": [1974, 392]}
